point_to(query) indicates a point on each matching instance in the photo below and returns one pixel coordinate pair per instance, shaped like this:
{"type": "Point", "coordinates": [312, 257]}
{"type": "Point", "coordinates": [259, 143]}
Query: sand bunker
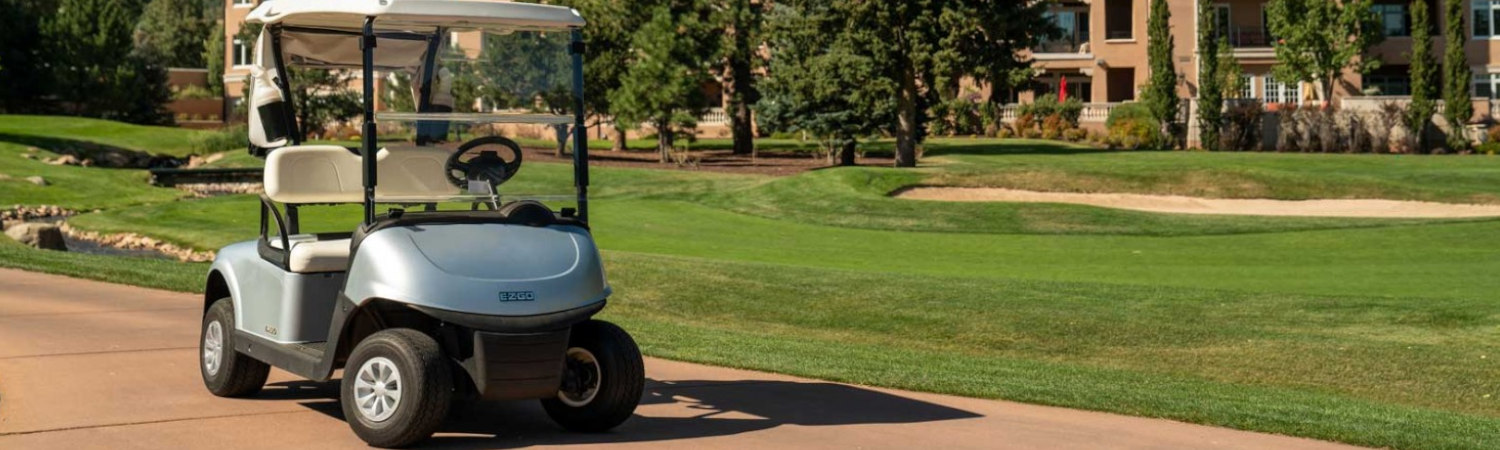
{"type": "Point", "coordinates": [1194, 205]}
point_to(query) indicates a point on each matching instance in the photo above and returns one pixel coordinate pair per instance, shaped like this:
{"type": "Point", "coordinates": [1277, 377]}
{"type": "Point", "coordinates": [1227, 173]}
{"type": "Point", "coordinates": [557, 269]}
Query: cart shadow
{"type": "Point", "coordinates": [670, 410]}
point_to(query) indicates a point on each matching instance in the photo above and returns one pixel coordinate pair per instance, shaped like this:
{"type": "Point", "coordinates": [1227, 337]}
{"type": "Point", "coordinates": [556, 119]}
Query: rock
{"type": "Point", "coordinates": [64, 160]}
{"type": "Point", "coordinates": [37, 180]}
{"type": "Point", "coordinates": [86, 162]}
{"type": "Point", "coordinates": [4, 177]}
{"type": "Point", "coordinates": [28, 156]}
{"type": "Point", "coordinates": [45, 236]}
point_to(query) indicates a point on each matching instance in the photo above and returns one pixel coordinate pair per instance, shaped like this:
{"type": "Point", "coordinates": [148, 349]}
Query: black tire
{"type": "Point", "coordinates": [622, 378]}
{"type": "Point", "coordinates": [426, 388]}
{"type": "Point", "coordinates": [237, 375]}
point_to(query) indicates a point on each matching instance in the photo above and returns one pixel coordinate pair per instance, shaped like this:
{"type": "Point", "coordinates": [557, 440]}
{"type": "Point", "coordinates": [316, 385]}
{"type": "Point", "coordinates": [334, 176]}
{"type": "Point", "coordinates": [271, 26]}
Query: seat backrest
{"type": "Point", "coordinates": [331, 174]}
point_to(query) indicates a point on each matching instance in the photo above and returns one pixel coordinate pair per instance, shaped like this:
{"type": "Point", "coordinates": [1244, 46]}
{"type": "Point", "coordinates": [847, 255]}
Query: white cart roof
{"type": "Point", "coordinates": [414, 15]}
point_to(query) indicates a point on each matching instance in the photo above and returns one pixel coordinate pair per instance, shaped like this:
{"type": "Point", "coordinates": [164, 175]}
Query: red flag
{"type": "Point", "coordinates": [1062, 90]}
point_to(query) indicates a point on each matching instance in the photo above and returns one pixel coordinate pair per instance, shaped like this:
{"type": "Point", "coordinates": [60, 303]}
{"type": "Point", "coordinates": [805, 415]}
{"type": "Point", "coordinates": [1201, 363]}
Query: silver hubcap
{"type": "Point", "coordinates": [377, 389]}
{"type": "Point", "coordinates": [213, 347]}
{"type": "Point", "coordinates": [584, 370]}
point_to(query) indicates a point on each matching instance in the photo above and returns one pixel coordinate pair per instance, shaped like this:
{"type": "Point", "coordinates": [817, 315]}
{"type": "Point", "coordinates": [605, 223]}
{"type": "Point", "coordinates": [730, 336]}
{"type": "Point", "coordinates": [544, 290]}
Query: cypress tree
{"type": "Point", "coordinates": [1457, 77]}
{"type": "Point", "coordinates": [1210, 81]}
{"type": "Point", "coordinates": [1160, 92]}
{"type": "Point", "coordinates": [1424, 88]}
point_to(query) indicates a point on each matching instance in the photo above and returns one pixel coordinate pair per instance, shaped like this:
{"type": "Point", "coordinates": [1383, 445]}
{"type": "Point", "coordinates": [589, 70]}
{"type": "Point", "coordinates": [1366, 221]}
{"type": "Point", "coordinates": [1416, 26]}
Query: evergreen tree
{"type": "Point", "coordinates": [1160, 92]}
{"type": "Point", "coordinates": [173, 29]}
{"type": "Point", "coordinates": [1424, 83]}
{"type": "Point", "coordinates": [741, 22]}
{"type": "Point", "coordinates": [818, 83]}
{"type": "Point", "coordinates": [213, 58]}
{"type": "Point", "coordinates": [611, 25]}
{"type": "Point", "coordinates": [663, 84]}
{"type": "Point", "coordinates": [1456, 76]}
{"type": "Point", "coordinates": [1318, 40]}
{"type": "Point", "coordinates": [25, 78]}
{"type": "Point", "coordinates": [1230, 71]}
{"type": "Point", "coordinates": [1210, 81]}
{"type": "Point", "coordinates": [98, 71]}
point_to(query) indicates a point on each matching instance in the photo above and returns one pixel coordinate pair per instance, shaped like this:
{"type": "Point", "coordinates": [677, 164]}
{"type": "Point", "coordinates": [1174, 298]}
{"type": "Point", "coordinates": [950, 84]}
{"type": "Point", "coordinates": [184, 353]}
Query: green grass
{"type": "Point", "coordinates": [1372, 332]}
{"type": "Point", "coordinates": [48, 131]}
{"type": "Point", "coordinates": [73, 187]}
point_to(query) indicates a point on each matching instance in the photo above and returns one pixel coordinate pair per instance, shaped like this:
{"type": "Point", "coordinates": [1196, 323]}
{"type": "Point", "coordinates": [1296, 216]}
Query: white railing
{"type": "Point", "coordinates": [1092, 112]}
{"type": "Point", "coordinates": [714, 116]}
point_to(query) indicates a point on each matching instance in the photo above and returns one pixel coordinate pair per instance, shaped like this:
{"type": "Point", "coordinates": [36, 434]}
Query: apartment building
{"type": "Point", "coordinates": [1102, 53]}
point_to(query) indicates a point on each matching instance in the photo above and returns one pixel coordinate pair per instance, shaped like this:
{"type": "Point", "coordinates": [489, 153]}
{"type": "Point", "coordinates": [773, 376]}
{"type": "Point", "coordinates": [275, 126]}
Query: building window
{"type": "Point", "coordinates": [1119, 23]}
{"type": "Point", "coordinates": [1393, 19]}
{"type": "Point", "coordinates": [1277, 92]}
{"type": "Point", "coordinates": [1247, 87]}
{"type": "Point", "coordinates": [1388, 84]}
{"type": "Point", "coordinates": [1486, 85]}
{"type": "Point", "coordinates": [243, 3]}
{"type": "Point", "coordinates": [1075, 31]}
{"type": "Point", "coordinates": [1486, 13]}
{"type": "Point", "coordinates": [240, 52]}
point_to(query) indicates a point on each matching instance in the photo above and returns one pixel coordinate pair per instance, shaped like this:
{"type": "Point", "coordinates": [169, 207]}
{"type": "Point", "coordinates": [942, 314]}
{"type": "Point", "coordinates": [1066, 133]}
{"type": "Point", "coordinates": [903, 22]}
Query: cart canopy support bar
{"type": "Point", "coordinates": [367, 152]}
{"type": "Point", "coordinates": [580, 129]}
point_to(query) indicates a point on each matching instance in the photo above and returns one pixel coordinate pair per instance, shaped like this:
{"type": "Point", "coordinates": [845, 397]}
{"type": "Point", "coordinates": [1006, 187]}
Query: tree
{"type": "Point", "coordinates": [213, 56]}
{"type": "Point", "coordinates": [1318, 40]}
{"type": "Point", "coordinates": [98, 71]}
{"type": "Point", "coordinates": [25, 78]}
{"type": "Point", "coordinates": [920, 45]}
{"type": "Point", "coordinates": [1230, 71]}
{"type": "Point", "coordinates": [1456, 76]}
{"type": "Point", "coordinates": [741, 22]}
{"type": "Point", "coordinates": [173, 29]}
{"type": "Point", "coordinates": [663, 85]}
{"type": "Point", "coordinates": [528, 70]}
{"type": "Point", "coordinates": [1424, 87]}
{"type": "Point", "coordinates": [1210, 81]}
{"type": "Point", "coordinates": [609, 33]}
{"type": "Point", "coordinates": [817, 83]}
{"type": "Point", "coordinates": [1160, 92]}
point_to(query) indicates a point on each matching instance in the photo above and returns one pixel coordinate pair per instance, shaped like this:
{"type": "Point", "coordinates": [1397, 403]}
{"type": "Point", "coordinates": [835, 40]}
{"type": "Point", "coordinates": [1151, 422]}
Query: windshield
{"type": "Point", "coordinates": [487, 119]}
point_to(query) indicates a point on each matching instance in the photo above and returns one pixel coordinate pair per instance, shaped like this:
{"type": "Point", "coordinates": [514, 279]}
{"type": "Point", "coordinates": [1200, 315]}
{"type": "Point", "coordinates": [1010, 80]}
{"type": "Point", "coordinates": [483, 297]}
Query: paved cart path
{"type": "Point", "coordinates": [87, 365]}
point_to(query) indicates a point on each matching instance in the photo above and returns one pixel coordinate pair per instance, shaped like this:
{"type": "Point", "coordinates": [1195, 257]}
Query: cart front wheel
{"type": "Point", "coordinates": [226, 373]}
{"type": "Point", "coordinates": [397, 388]}
{"type": "Point", "coordinates": [602, 379]}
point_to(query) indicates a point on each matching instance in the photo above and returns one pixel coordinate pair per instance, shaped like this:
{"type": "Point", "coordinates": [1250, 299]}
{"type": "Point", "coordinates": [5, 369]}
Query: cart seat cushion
{"type": "Point", "coordinates": [310, 255]}
{"type": "Point", "coordinates": [331, 174]}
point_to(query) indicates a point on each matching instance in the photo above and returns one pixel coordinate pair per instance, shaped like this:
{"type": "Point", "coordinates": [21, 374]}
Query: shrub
{"type": "Point", "coordinates": [1031, 133]}
{"type": "Point", "coordinates": [1005, 132]}
{"type": "Point", "coordinates": [1489, 148]}
{"type": "Point", "coordinates": [1131, 111]}
{"type": "Point", "coordinates": [989, 118]}
{"type": "Point", "coordinates": [1492, 134]}
{"type": "Point", "coordinates": [228, 138]}
{"type": "Point", "coordinates": [1290, 137]}
{"type": "Point", "coordinates": [1025, 121]}
{"type": "Point", "coordinates": [1054, 125]}
{"type": "Point", "coordinates": [192, 91]}
{"type": "Point", "coordinates": [965, 117]}
{"type": "Point", "coordinates": [1131, 126]}
{"type": "Point", "coordinates": [1242, 126]}
{"type": "Point", "coordinates": [1075, 135]}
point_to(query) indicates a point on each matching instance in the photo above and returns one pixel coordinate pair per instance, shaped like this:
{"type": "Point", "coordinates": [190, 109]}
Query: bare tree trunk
{"type": "Point", "coordinates": [562, 141]}
{"type": "Point", "coordinates": [846, 153]}
{"type": "Point", "coordinates": [906, 126]}
{"type": "Point", "coordinates": [741, 122]}
{"type": "Point", "coordinates": [618, 136]}
{"type": "Point", "coordinates": [664, 139]}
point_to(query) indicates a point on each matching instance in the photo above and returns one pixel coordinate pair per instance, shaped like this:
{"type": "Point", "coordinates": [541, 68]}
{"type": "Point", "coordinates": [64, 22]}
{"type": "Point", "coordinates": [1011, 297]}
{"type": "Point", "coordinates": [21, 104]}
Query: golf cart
{"type": "Point", "coordinates": [457, 288]}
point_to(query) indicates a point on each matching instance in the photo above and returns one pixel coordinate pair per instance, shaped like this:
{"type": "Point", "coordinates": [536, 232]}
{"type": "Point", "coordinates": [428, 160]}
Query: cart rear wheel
{"type": "Point", "coordinates": [226, 372]}
{"type": "Point", "coordinates": [397, 388]}
{"type": "Point", "coordinates": [602, 380]}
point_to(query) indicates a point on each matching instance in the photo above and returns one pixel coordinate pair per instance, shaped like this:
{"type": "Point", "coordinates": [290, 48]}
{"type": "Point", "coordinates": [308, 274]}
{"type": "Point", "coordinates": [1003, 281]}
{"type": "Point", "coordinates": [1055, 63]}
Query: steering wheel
{"type": "Point", "coordinates": [487, 165]}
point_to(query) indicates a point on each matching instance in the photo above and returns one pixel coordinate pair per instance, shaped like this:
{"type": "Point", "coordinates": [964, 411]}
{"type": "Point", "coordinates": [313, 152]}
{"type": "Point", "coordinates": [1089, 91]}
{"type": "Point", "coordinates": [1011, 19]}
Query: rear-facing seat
{"type": "Point", "coordinates": [327, 174]}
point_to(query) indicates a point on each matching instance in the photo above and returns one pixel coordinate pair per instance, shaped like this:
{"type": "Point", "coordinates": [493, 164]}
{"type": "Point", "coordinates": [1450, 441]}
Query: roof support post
{"type": "Point", "coordinates": [367, 135]}
{"type": "Point", "coordinates": [580, 129]}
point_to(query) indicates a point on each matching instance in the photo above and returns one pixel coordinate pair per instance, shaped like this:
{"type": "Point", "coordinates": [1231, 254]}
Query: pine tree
{"type": "Point", "coordinates": [1160, 92]}
{"type": "Point", "coordinates": [213, 58]}
{"type": "Point", "coordinates": [741, 21]}
{"type": "Point", "coordinates": [1210, 81]}
{"type": "Point", "coordinates": [98, 71]}
{"type": "Point", "coordinates": [663, 85]}
{"type": "Point", "coordinates": [1457, 76]}
{"type": "Point", "coordinates": [173, 30]}
{"type": "Point", "coordinates": [1424, 84]}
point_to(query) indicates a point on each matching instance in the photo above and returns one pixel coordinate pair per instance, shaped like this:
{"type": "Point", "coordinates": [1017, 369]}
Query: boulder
{"type": "Point", "coordinates": [45, 236]}
{"type": "Point", "coordinates": [37, 180]}
{"type": "Point", "coordinates": [64, 160]}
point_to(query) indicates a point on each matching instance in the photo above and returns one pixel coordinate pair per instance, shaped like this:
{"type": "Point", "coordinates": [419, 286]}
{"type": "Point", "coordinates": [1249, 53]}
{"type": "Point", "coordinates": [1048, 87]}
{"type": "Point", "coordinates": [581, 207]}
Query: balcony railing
{"type": "Point", "coordinates": [1119, 33]}
{"type": "Point", "coordinates": [1241, 37]}
{"type": "Point", "coordinates": [1062, 46]}
{"type": "Point", "coordinates": [1092, 112]}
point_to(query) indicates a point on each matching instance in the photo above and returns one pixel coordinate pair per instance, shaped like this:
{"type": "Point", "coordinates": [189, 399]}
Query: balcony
{"type": "Point", "coordinates": [1062, 47]}
{"type": "Point", "coordinates": [1249, 37]}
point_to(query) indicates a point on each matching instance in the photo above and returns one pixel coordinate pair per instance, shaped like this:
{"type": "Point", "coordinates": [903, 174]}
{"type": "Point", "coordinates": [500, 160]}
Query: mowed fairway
{"type": "Point", "coordinates": [1374, 332]}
